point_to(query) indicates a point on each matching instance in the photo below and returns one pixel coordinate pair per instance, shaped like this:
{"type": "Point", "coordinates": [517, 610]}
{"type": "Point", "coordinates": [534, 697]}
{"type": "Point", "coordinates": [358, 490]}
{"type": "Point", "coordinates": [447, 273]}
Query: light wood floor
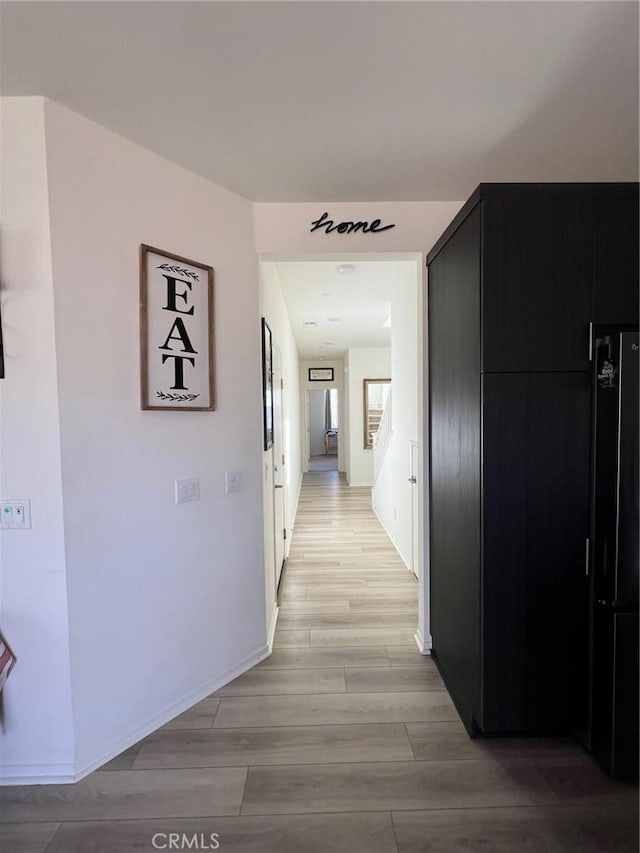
{"type": "Point", "coordinates": [343, 741]}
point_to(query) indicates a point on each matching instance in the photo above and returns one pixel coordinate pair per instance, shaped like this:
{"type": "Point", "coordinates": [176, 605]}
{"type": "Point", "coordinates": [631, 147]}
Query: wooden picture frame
{"type": "Point", "coordinates": [267, 385]}
{"type": "Point", "coordinates": [320, 374]}
{"type": "Point", "coordinates": [1, 347]}
{"type": "Point", "coordinates": [177, 343]}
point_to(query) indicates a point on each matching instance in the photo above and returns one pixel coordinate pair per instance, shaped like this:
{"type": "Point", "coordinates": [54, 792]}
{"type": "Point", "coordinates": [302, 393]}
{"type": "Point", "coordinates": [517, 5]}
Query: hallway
{"type": "Point", "coordinates": [343, 740]}
{"type": "Point", "coordinates": [323, 463]}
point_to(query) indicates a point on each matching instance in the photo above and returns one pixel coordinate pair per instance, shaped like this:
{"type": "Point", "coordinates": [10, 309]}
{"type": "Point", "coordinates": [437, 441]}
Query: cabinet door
{"type": "Point", "coordinates": [536, 431]}
{"type": "Point", "coordinates": [536, 285]}
{"type": "Point", "coordinates": [615, 286]}
{"type": "Point", "coordinates": [454, 392]}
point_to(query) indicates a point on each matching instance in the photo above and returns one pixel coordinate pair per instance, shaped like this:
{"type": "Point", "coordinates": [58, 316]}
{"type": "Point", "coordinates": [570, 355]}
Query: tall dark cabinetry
{"type": "Point", "coordinates": [516, 285]}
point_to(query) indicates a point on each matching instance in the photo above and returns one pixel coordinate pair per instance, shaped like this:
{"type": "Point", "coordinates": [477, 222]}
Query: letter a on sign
{"type": "Point", "coordinates": [176, 332]}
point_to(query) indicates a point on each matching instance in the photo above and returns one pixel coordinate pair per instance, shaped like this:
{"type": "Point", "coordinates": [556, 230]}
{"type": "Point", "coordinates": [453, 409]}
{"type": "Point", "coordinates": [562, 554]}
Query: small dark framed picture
{"type": "Point", "coordinates": [267, 386]}
{"type": "Point", "coordinates": [321, 374]}
{"type": "Point", "coordinates": [176, 332]}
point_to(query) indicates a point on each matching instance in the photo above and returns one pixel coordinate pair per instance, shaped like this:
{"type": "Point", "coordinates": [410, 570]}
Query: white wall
{"type": "Point", "coordinates": [317, 407]}
{"type": "Point", "coordinates": [38, 736]}
{"type": "Point", "coordinates": [362, 363]}
{"type": "Point", "coordinates": [165, 602]}
{"type": "Point", "coordinates": [273, 309]}
{"type": "Point", "coordinates": [392, 492]}
{"type": "Point", "coordinates": [338, 383]}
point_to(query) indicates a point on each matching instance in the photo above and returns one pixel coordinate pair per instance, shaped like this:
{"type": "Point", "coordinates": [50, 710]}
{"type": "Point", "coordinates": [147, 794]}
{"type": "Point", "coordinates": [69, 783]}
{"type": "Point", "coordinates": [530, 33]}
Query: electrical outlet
{"type": "Point", "coordinates": [15, 515]}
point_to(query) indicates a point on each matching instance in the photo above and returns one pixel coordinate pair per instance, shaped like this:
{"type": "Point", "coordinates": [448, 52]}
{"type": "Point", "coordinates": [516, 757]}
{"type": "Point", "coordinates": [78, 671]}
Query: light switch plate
{"type": "Point", "coordinates": [15, 514]}
{"type": "Point", "coordinates": [187, 490]}
{"type": "Point", "coordinates": [234, 481]}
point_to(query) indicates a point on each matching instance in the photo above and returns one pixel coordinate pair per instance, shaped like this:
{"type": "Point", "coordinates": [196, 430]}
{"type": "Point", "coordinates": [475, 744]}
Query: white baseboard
{"type": "Point", "coordinates": [30, 774]}
{"type": "Point", "coordinates": [424, 645]}
{"type": "Point", "coordinates": [272, 627]}
{"type": "Point", "coordinates": [37, 774]}
{"type": "Point", "coordinates": [368, 485]}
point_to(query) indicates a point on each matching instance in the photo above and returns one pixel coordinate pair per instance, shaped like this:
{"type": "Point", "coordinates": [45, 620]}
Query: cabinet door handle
{"type": "Point", "coordinates": [587, 547]}
{"type": "Point", "coordinates": [591, 341]}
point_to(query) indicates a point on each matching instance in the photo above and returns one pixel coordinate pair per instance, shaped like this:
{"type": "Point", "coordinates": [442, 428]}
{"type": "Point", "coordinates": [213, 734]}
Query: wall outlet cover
{"type": "Point", "coordinates": [15, 514]}
{"type": "Point", "coordinates": [233, 481]}
{"type": "Point", "coordinates": [187, 490]}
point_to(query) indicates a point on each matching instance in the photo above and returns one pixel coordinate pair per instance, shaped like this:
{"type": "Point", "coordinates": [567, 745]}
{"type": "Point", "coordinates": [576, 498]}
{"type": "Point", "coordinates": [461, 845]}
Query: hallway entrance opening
{"type": "Point", "coordinates": [346, 326]}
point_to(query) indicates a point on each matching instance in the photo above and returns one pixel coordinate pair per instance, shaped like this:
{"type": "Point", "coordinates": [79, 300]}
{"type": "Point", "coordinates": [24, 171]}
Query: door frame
{"type": "Point", "coordinates": [414, 471]}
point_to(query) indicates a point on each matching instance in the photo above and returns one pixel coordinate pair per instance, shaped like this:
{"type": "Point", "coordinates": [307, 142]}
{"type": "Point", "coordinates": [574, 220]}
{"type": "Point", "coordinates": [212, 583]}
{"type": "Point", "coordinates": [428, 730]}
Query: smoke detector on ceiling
{"type": "Point", "coordinates": [345, 269]}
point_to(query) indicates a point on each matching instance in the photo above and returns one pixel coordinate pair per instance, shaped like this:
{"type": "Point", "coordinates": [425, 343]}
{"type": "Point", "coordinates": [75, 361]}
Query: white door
{"type": "Point", "coordinates": [279, 478]}
{"type": "Point", "coordinates": [415, 518]}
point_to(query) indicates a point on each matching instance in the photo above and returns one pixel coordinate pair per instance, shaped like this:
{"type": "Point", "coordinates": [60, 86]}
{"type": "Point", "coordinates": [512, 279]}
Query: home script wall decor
{"type": "Point", "coordinates": [348, 226]}
{"type": "Point", "coordinates": [176, 332]}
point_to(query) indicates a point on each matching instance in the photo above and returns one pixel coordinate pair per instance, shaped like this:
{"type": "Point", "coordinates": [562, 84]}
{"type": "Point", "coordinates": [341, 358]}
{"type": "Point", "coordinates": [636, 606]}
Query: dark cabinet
{"type": "Point", "coordinates": [536, 298]}
{"type": "Point", "coordinates": [455, 473]}
{"type": "Point", "coordinates": [535, 523]}
{"type": "Point", "coordinates": [615, 260]}
{"type": "Point", "coordinates": [516, 284]}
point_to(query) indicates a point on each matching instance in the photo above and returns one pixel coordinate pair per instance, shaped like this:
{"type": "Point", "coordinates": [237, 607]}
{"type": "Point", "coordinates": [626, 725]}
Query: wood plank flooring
{"type": "Point", "coordinates": [343, 741]}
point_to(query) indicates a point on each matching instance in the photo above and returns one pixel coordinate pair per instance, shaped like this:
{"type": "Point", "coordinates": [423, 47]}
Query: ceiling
{"type": "Point", "coordinates": [345, 101]}
{"type": "Point", "coordinates": [348, 310]}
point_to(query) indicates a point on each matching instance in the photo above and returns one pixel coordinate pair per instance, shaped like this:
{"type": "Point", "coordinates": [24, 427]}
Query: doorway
{"type": "Point", "coordinates": [323, 434]}
{"type": "Point", "coordinates": [344, 321]}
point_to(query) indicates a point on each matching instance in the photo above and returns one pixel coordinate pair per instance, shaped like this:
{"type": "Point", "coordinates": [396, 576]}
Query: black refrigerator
{"type": "Point", "coordinates": [614, 557]}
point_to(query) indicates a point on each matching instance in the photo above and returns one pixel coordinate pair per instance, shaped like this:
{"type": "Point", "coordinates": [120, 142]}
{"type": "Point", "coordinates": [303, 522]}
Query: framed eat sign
{"type": "Point", "coordinates": [176, 332]}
